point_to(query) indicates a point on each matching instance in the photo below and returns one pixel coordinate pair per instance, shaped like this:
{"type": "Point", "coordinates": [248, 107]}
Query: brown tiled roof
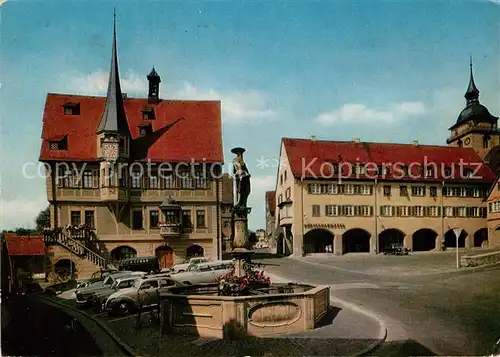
{"type": "Point", "coordinates": [19, 245]}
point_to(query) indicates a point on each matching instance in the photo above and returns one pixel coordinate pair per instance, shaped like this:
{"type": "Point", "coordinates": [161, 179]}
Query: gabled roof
{"type": "Point", "coordinates": [493, 187]}
{"type": "Point", "coordinates": [493, 159]}
{"type": "Point", "coordinates": [271, 201]}
{"type": "Point", "coordinates": [27, 246]}
{"type": "Point", "coordinates": [182, 130]}
{"type": "Point", "coordinates": [306, 157]}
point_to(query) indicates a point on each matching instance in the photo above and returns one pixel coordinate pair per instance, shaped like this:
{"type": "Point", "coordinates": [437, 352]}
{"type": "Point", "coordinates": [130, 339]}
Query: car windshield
{"type": "Point", "coordinates": [192, 268]}
{"type": "Point", "coordinates": [137, 283]}
{"type": "Point", "coordinates": [108, 281]}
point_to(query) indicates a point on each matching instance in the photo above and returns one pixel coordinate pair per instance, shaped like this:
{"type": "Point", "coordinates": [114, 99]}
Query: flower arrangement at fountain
{"type": "Point", "coordinates": [232, 285]}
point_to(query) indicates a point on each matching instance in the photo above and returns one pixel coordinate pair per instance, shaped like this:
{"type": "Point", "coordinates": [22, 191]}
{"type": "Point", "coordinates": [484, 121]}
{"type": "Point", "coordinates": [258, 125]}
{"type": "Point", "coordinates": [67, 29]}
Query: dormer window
{"type": "Point", "coordinates": [71, 108]}
{"type": "Point", "coordinates": [60, 143]}
{"type": "Point", "coordinates": [145, 129]}
{"type": "Point", "coordinates": [148, 114]}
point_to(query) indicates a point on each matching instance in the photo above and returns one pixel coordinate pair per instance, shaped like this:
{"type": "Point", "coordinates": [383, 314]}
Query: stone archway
{"type": "Point", "coordinates": [318, 241]}
{"type": "Point", "coordinates": [65, 269]}
{"type": "Point", "coordinates": [390, 236]}
{"type": "Point", "coordinates": [280, 244]}
{"type": "Point", "coordinates": [424, 240]}
{"type": "Point", "coordinates": [195, 250]}
{"type": "Point", "coordinates": [123, 252]}
{"type": "Point", "coordinates": [450, 240]}
{"type": "Point", "coordinates": [480, 237]}
{"type": "Point", "coordinates": [165, 256]}
{"type": "Point", "coordinates": [356, 240]}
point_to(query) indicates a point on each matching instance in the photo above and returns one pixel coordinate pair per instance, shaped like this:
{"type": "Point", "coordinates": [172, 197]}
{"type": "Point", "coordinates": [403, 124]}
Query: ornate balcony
{"type": "Point", "coordinates": [114, 194]}
{"type": "Point", "coordinates": [172, 211]}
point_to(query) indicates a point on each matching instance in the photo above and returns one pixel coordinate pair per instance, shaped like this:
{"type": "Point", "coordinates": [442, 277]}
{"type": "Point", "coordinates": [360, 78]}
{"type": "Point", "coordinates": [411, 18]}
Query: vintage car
{"type": "Point", "coordinates": [142, 264]}
{"type": "Point", "coordinates": [179, 268]}
{"type": "Point", "coordinates": [99, 297]}
{"type": "Point", "coordinates": [204, 273]}
{"type": "Point", "coordinates": [83, 295]}
{"type": "Point", "coordinates": [96, 276]}
{"type": "Point", "coordinates": [142, 295]}
{"type": "Point", "coordinates": [396, 249]}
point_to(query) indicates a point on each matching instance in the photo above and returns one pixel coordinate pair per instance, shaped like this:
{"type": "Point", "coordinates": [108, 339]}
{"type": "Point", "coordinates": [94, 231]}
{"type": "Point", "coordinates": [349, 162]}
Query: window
{"type": "Point", "coordinates": [331, 210]}
{"type": "Point", "coordinates": [403, 191]}
{"type": "Point", "coordinates": [148, 114]}
{"type": "Point", "coordinates": [171, 217]}
{"type": "Point", "coordinates": [89, 219]}
{"type": "Point", "coordinates": [137, 219]}
{"type": "Point", "coordinates": [136, 179]}
{"type": "Point", "coordinates": [200, 180]}
{"type": "Point", "coordinates": [433, 211]}
{"type": "Point", "coordinates": [418, 191]}
{"type": "Point", "coordinates": [364, 211]}
{"type": "Point", "coordinates": [349, 189]}
{"type": "Point", "coordinates": [417, 211]}
{"type": "Point", "coordinates": [76, 218]}
{"type": "Point", "coordinates": [281, 179]}
{"type": "Point", "coordinates": [366, 189]}
{"type": "Point", "coordinates": [449, 212]}
{"type": "Point", "coordinates": [288, 193]}
{"type": "Point", "coordinates": [186, 219]}
{"type": "Point", "coordinates": [71, 109]}
{"type": "Point", "coordinates": [185, 180]}
{"type": "Point", "coordinates": [87, 179]}
{"type": "Point", "coordinates": [153, 219]}
{"type": "Point", "coordinates": [360, 169]}
{"type": "Point", "coordinates": [122, 178]}
{"type": "Point", "coordinates": [348, 210]}
{"type": "Point", "coordinates": [111, 176]}
{"type": "Point", "coordinates": [462, 211]}
{"type": "Point", "coordinates": [121, 146]}
{"type": "Point", "coordinates": [494, 207]}
{"type": "Point", "coordinates": [153, 181]}
{"type": "Point", "coordinates": [486, 141]}
{"type": "Point", "coordinates": [386, 211]}
{"type": "Point", "coordinates": [284, 173]}
{"type": "Point", "coordinates": [168, 179]}
{"type": "Point", "coordinates": [314, 188]}
{"type": "Point", "coordinates": [463, 192]}
{"type": "Point", "coordinates": [316, 211]}
{"type": "Point", "coordinates": [403, 211]}
{"type": "Point", "coordinates": [476, 192]}
{"type": "Point", "coordinates": [166, 282]}
{"type": "Point", "coordinates": [280, 198]}
{"type": "Point", "coordinates": [387, 190]}
{"type": "Point", "coordinates": [433, 191]}
{"type": "Point", "coordinates": [430, 172]}
{"type": "Point", "coordinates": [200, 219]}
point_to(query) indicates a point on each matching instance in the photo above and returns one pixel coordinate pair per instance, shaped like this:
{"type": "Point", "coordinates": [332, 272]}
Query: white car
{"type": "Point", "coordinates": [179, 268]}
{"type": "Point", "coordinates": [204, 273]}
{"type": "Point", "coordinates": [143, 294]}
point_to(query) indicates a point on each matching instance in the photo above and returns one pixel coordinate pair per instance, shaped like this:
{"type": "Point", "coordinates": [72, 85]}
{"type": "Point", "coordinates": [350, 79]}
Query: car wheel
{"type": "Point", "coordinates": [181, 271]}
{"type": "Point", "coordinates": [123, 308]}
{"type": "Point", "coordinates": [186, 282]}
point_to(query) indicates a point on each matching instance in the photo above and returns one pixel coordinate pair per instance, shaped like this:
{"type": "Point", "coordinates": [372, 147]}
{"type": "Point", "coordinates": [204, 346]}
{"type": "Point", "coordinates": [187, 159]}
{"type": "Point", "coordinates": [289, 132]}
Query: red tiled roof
{"type": "Point", "coordinates": [271, 201]}
{"type": "Point", "coordinates": [303, 154]}
{"type": "Point", "coordinates": [18, 245]}
{"type": "Point", "coordinates": [182, 130]}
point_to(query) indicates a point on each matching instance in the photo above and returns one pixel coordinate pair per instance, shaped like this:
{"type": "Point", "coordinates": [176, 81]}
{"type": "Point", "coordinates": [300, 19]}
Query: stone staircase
{"type": "Point", "coordinates": [76, 248]}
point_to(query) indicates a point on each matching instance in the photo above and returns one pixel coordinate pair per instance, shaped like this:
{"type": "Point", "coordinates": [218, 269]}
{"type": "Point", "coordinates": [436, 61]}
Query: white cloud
{"type": "Point", "coordinates": [96, 83]}
{"type": "Point", "coordinates": [21, 212]}
{"type": "Point", "coordinates": [237, 107]}
{"type": "Point", "coordinates": [359, 113]}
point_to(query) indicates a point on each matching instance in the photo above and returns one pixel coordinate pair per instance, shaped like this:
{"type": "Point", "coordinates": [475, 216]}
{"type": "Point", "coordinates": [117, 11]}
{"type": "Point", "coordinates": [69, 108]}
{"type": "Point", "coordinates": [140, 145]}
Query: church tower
{"type": "Point", "coordinates": [113, 134]}
{"type": "Point", "coordinates": [475, 127]}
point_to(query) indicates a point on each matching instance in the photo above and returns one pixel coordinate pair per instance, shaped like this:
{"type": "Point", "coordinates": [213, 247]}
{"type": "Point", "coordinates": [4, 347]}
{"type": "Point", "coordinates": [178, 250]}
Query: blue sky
{"type": "Point", "coordinates": [392, 71]}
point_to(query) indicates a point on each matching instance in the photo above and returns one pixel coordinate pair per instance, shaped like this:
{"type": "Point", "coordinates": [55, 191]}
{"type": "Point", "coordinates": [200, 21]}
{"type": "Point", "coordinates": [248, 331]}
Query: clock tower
{"type": "Point", "coordinates": [113, 135]}
{"type": "Point", "coordinates": [475, 127]}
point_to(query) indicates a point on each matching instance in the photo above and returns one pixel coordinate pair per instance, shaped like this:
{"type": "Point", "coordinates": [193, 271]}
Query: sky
{"type": "Point", "coordinates": [391, 71]}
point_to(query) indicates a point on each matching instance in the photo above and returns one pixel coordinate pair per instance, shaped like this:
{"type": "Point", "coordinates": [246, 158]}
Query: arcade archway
{"type": "Point", "coordinates": [195, 251]}
{"type": "Point", "coordinates": [123, 252]}
{"type": "Point", "coordinates": [480, 237]}
{"type": "Point", "coordinates": [424, 240]}
{"type": "Point", "coordinates": [388, 237]}
{"type": "Point", "coordinates": [318, 241]}
{"type": "Point", "coordinates": [65, 269]}
{"type": "Point", "coordinates": [356, 240]}
{"type": "Point", "coordinates": [450, 240]}
{"type": "Point", "coordinates": [280, 244]}
{"type": "Point", "coordinates": [165, 255]}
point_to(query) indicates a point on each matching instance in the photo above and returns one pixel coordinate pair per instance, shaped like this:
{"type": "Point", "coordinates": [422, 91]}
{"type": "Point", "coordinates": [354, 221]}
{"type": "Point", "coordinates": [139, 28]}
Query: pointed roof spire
{"type": "Point", "coordinates": [472, 93]}
{"type": "Point", "coordinates": [113, 119]}
{"type": "Point", "coordinates": [154, 74]}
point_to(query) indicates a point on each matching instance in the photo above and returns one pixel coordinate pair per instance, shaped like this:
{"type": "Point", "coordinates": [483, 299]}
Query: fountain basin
{"type": "Point", "coordinates": [279, 309]}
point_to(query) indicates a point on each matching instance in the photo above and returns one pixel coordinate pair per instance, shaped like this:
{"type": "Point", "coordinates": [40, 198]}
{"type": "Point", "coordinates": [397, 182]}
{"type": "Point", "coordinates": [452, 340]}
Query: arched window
{"type": "Point", "coordinates": [486, 141]}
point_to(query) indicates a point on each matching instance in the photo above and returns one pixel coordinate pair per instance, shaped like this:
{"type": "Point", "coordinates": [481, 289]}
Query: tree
{"type": "Point", "coordinates": [43, 219]}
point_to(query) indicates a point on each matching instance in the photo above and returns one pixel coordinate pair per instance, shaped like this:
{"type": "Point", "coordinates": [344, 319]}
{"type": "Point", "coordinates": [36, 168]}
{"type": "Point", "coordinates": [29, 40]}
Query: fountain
{"type": "Point", "coordinates": [243, 302]}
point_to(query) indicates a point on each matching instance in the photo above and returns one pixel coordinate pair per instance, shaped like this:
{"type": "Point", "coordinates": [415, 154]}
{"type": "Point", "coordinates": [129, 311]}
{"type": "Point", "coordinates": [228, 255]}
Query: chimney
{"type": "Point", "coordinates": [415, 143]}
{"type": "Point", "coordinates": [313, 138]}
{"type": "Point", "coordinates": [356, 140]}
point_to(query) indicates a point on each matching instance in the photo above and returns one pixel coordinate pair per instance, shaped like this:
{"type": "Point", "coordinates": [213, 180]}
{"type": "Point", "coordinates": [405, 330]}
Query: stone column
{"type": "Point", "coordinates": [338, 244]}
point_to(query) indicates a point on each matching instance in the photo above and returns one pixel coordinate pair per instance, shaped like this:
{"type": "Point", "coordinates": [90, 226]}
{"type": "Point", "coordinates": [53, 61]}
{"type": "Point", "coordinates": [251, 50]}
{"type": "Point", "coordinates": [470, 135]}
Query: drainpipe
{"type": "Point", "coordinates": [442, 216]}
{"type": "Point", "coordinates": [302, 209]}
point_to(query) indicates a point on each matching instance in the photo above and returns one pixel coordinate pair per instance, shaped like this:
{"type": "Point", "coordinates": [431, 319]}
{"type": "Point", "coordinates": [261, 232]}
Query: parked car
{"type": "Point", "coordinates": [83, 295]}
{"type": "Point", "coordinates": [179, 268]}
{"type": "Point", "coordinates": [396, 249]}
{"type": "Point", "coordinates": [99, 297]}
{"type": "Point", "coordinates": [143, 294]}
{"type": "Point", "coordinates": [143, 264]}
{"type": "Point", "coordinates": [204, 273]}
{"type": "Point", "coordinates": [95, 277]}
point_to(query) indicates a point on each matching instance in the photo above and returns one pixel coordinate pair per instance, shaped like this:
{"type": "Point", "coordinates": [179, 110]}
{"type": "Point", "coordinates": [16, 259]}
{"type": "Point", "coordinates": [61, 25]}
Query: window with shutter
{"type": "Point", "coordinates": [95, 178]}
{"type": "Point", "coordinates": [340, 189]}
{"type": "Point", "coordinates": [357, 189]}
{"type": "Point", "coordinates": [371, 210]}
{"type": "Point", "coordinates": [316, 211]}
